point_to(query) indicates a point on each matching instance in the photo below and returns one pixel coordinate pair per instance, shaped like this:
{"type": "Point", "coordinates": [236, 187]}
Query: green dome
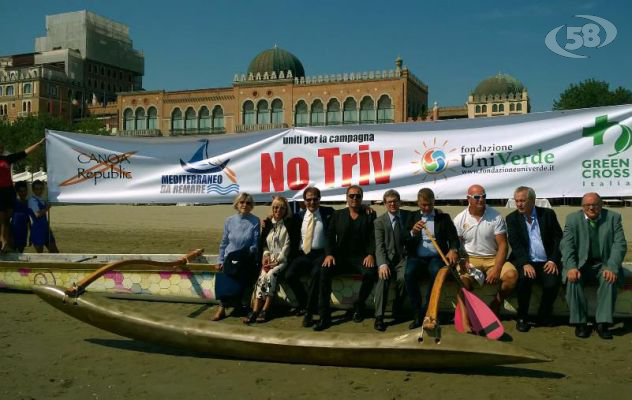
{"type": "Point", "coordinates": [277, 60]}
{"type": "Point", "coordinates": [499, 84]}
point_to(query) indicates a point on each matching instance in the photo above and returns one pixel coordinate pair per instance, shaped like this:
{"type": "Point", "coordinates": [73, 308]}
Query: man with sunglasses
{"type": "Point", "coordinates": [350, 247]}
{"type": "Point", "coordinates": [483, 233]}
{"type": "Point", "coordinates": [593, 248]}
{"type": "Point", "coordinates": [312, 223]}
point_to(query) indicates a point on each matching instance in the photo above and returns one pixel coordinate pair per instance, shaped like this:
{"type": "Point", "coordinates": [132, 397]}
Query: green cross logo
{"type": "Point", "coordinates": [597, 132]}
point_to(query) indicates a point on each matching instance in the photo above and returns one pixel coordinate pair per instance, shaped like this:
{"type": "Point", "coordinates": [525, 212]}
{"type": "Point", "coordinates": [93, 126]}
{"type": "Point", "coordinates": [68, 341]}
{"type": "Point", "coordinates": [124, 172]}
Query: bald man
{"type": "Point", "coordinates": [593, 248]}
{"type": "Point", "coordinates": [483, 233]}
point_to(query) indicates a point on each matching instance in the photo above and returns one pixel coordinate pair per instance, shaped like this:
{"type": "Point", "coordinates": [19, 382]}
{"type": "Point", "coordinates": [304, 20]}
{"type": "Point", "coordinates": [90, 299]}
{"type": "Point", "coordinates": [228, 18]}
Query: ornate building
{"type": "Point", "coordinates": [83, 58]}
{"type": "Point", "coordinates": [498, 95]}
{"type": "Point", "coordinates": [275, 93]}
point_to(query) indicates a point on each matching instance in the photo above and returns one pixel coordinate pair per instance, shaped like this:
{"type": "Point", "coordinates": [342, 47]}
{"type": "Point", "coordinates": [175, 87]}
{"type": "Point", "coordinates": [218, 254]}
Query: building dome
{"type": "Point", "coordinates": [498, 84]}
{"type": "Point", "coordinates": [276, 60]}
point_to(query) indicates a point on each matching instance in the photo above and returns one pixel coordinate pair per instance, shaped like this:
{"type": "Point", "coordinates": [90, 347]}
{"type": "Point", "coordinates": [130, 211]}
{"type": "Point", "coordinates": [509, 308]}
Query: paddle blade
{"type": "Point", "coordinates": [458, 321]}
{"type": "Point", "coordinates": [482, 319]}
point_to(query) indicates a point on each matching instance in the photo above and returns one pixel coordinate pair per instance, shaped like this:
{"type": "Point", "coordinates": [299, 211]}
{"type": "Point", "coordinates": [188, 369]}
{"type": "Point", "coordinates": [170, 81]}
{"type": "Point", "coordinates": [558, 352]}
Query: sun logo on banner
{"type": "Point", "coordinates": [433, 161]}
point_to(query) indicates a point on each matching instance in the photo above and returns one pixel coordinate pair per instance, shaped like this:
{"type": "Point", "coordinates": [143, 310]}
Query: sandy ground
{"type": "Point", "coordinates": [45, 354]}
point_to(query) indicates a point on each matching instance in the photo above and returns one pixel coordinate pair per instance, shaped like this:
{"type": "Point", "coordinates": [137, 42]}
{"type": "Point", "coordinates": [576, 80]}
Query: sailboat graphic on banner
{"type": "Point", "coordinates": [200, 164]}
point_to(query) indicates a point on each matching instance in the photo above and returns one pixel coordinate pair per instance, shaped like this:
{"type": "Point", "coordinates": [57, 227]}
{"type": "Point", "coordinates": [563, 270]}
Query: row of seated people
{"type": "Point", "coordinates": [397, 248]}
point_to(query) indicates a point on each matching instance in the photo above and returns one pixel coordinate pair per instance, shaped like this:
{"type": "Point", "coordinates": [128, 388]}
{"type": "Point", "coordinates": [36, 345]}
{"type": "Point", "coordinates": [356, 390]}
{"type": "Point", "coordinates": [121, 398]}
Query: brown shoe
{"type": "Point", "coordinates": [220, 314]}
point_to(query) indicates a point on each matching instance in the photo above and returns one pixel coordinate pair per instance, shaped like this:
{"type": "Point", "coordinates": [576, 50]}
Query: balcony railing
{"type": "Point", "coordinates": [259, 127]}
{"type": "Point", "coordinates": [197, 131]}
{"type": "Point", "coordinates": [141, 132]}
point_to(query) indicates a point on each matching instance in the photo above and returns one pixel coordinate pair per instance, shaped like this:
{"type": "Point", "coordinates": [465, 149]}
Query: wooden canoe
{"type": "Point", "coordinates": [373, 350]}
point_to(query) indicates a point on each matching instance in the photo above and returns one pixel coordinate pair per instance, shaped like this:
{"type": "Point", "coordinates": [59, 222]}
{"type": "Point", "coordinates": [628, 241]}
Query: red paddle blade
{"type": "Point", "coordinates": [482, 319]}
{"type": "Point", "coordinates": [458, 321]}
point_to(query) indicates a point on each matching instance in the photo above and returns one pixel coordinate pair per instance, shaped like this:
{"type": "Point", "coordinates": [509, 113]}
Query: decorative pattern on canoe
{"type": "Point", "coordinates": [197, 284]}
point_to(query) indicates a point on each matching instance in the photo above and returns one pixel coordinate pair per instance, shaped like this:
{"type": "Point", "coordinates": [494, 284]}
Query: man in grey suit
{"type": "Point", "coordinates": [390, 252]}
{"type": "Point", "coordinates": [593, 248]}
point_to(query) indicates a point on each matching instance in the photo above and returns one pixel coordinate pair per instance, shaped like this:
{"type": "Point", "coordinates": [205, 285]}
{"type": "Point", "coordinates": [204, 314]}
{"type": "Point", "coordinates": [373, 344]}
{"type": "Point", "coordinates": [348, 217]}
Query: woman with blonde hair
{"type": "Point", "coordinates": [275, 248]}
{"type": "Point", "coordinates": [237, 255]}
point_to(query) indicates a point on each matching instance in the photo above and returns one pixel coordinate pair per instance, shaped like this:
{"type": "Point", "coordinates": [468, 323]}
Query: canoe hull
{"type": "Point", "coordinates": [388, 351]}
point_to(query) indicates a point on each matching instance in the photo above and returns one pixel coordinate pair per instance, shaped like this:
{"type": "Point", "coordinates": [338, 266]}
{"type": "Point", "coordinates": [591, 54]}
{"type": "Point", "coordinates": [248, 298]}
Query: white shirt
{"type": "Point", "coordinates": [479, 236]}
{"type": "Point", "coordinates": [318, 240]}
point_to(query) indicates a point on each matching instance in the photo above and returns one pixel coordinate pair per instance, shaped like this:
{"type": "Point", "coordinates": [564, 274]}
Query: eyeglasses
{"type": "Point", "coordinates": [354, 196]}
{"type": "Point", "coordinates": [312, 200]}
{"type": "Point", "coordinates": [477, 197]}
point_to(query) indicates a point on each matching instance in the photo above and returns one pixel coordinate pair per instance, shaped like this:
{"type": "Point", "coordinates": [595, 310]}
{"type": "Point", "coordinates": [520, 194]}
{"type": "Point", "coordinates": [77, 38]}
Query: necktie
{"type": "Point", "coordinates": [593, 223]}
{"type": "Point", "coordinates": [309, 234]}
{"type": "Point", "coordinates": [397, 235]}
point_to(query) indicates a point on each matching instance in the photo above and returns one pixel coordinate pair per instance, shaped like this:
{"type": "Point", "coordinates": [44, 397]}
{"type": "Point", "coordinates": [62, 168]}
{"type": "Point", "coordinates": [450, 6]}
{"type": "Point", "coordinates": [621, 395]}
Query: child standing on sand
{"type": "Point", "coordinates": [41, 235]}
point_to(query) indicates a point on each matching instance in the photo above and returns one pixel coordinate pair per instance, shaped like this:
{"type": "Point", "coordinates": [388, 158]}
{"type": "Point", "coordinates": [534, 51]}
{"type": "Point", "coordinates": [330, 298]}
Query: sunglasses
{"type": "Point", "coordinates": [354, 196]}
{"type": "Point", "coordinates": [477, 197]}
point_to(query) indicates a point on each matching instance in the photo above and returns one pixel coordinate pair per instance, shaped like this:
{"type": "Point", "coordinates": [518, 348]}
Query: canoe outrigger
{"type": "Point", "coordinates": [394, 350]}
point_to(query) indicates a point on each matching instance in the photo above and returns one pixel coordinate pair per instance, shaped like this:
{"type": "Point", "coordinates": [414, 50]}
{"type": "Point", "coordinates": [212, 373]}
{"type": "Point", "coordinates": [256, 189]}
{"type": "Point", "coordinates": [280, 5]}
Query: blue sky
{"type": "Point", "coordinates": [451, 46]}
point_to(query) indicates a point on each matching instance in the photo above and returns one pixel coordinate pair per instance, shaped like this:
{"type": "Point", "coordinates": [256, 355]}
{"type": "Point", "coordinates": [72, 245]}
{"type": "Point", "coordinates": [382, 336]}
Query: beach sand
{"type": "Point", "coordinates": [45, 354]}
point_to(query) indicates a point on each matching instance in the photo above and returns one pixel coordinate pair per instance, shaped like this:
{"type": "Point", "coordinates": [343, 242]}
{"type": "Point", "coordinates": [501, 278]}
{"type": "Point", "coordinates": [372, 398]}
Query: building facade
{"type": "Point", "coordinates": [498, 95]}
{"type": "Point", "coordinates": [84, 58]}
{"type": "Point", "coordinates": [275, 93]}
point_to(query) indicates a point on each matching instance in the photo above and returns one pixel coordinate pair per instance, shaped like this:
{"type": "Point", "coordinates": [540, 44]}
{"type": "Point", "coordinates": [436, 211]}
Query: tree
{"type": "Point", "coordinates": [25, 131]}
{"type": "Point", "coordinates": [591, 93]}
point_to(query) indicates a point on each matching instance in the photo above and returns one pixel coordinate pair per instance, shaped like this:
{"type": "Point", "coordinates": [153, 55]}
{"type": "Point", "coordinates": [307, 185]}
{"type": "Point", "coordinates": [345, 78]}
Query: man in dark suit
{"type": "Point", "coordinates": [534, 237]}
{"type": "Point", "coordinates": [422, 255]}
{"type": "Point", "coordinates": [593, 248]}
{"type": "Point", "coordinates": [312, 223]}
{"type": "Point", "coordinates": [350, 247]}
{"type": "Point", "coordinates": [390, 252]}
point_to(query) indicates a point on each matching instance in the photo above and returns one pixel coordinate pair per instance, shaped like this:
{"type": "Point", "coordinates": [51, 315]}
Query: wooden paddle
{"type": "Point", "coordinates": [482, 318]}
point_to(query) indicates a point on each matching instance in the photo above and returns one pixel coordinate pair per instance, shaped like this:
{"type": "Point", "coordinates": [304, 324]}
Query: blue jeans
{"type": "Point", "coordinates": [415, 267]}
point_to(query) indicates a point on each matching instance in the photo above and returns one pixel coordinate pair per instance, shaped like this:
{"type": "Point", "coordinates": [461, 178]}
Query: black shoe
{"type": "Point", "coordinates": [582, 331]}
{"type": "Point", "coordinates": [358, 314]}
{"type": "Point", "coordinates": [379, 324]}
{"type": "Point", "coordinates": [603, 331]}
{"type": "Point", "coordinates": [415, 324]}
{"type": "Point", "coordinates": [308, 320]}
{"type": "Point", "coordinates": [322, 324]}
{"type": "Point", "coordinates": [522, 325]}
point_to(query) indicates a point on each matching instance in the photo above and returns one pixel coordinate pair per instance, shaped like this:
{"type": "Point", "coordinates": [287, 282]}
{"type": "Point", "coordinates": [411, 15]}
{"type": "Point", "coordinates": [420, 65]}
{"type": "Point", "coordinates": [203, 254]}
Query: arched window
{"type": "Point", "coordinates": [24, 106]}
{"type": "Point", "coordinates": [177, 123]}
{"type": "Point", "coordinates": [9, 90]}
{"type": "Point", "coordinates": [384, 110]}
{"type": "Point", "coordinates": [1, 109]}
{"type": "Point", "coordinates": [277, 111]}
{"type": "Point", "coordinates": [501, 108]}
{"type": "Point", "coordinates": [367, 111]}
{"type": "Point", "coordinates": [318, 113]}
{"type": "Point", "coordinates": [249, 113]}
{"type": "Point", "coordinates": [484, 108]}
{"type": "Point", "coordinates": [512, 107]}
{"type": "Point", "coordinates": [302, 116]}
{"type": "Point", "coordinates": [478, 109]}
{"type": "Point", "coordinates": [495, 108]}
{"type": "Point", "coordinates": [128, 120]}
{"type": "Point", "coordinates": [218, 119]}
{"type": "Point", "coordinates": [205, 120]}
{"type": "Point", "coordinates": [263, 113]}
{"type": "Point", "coordinates": [189, 119]}
{"type": "Point", "coordinates": [28, 106]}
{"type": "Point", "coordinates": [141, 122]}
{"type": "Point", "coordinates": [152, 118]}
{"type": "Point", "coordinates": [350, 111]}
{"type": "Point", "coordinates": [27, 89]}
{"type": "Point", "coordinates": [519, 107]}
{"type": "Point", "coordinates": [333, 112]}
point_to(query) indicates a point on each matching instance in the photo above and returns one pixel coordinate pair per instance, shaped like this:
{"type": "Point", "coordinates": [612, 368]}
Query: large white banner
{"type": "Point", "coordinates": [559, 154]}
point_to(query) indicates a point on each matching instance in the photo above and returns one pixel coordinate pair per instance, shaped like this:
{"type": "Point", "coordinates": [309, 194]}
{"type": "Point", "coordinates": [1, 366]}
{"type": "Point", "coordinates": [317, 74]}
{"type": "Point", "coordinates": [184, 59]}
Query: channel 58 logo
{"type": "Point", "coordinates": [587, 35]}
